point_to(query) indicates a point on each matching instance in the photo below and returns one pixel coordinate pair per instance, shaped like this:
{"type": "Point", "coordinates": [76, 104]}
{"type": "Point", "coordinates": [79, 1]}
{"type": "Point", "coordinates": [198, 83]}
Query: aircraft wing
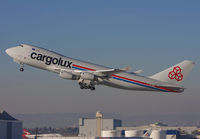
{"type": "Point", "coordinates": [110, 71]}
{"type": "Point", "coordinates": [100, 73]}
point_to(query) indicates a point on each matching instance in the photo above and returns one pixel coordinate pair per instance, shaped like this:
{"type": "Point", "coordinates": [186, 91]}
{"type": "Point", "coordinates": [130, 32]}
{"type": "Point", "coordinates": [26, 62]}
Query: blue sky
{"type": "Point", "coordinates": [148, 35]}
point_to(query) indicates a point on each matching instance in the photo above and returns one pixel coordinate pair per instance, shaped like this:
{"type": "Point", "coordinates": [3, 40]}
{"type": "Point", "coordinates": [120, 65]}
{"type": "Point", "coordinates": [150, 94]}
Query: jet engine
{"type": "Point", "coordinates": [67, 75]}
{"type": "Point", "coordinates": [87, 76]}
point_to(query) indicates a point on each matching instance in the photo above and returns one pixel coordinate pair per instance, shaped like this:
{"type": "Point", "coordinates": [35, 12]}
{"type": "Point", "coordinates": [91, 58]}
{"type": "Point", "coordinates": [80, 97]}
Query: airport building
{"type": "Point", "coordinates": [100, 128]}
{"type": "Point", "coordinates": [92, 127]}
{"type": "Point", "coordinates": [111, 128]}
{"type": "Point", "coordinates": [10, 128]}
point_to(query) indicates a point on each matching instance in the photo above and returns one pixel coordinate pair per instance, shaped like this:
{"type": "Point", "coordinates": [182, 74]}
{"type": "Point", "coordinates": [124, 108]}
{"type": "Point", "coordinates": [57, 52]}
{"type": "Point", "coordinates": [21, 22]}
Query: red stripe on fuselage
{"type": "Point", "coordinates": [166, 89]}
{"type": "Point", "coordinates": [83, 67]}
{"type": "Point", "coordinates": [143, 83]}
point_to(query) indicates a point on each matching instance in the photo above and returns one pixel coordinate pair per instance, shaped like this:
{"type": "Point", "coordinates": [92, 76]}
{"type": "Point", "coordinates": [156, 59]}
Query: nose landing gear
{"type": "Point", "coordinates": [21, 68]}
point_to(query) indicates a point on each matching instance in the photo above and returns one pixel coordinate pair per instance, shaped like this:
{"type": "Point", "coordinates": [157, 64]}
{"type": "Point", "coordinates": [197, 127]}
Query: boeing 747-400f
{"type": "Point", "coordinates": [88, 75]}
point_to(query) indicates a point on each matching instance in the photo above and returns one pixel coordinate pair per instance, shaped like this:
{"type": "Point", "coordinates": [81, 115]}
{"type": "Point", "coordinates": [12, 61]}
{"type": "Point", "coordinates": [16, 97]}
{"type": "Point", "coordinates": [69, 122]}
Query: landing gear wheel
{"type": "Point", "coordinates": [92, 88]}
{"type": "Point", "coordinates": [86, 84]}
{"type": "Point", "coordinates": [21, 69]}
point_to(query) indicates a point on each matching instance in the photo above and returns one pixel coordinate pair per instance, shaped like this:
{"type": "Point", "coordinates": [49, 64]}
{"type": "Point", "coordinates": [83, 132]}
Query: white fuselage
{"type": "Point", "coordinates": [49, 60]}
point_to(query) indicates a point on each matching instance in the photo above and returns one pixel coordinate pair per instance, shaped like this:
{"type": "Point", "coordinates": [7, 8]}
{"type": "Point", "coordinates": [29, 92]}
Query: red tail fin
{"type": "Point", "coordinates": [25, 133]}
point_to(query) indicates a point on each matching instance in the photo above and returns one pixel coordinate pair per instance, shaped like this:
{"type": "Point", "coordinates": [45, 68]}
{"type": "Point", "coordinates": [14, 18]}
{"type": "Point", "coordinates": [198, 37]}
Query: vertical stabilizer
{"type": "Point", "coordinates": [175, 74]}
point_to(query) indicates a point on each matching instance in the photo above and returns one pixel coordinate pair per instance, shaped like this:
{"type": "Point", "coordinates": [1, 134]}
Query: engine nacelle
{"type": "Point", "coordinates": [87, 76]}
{"type": "Point", "coordinates": [67, 75]}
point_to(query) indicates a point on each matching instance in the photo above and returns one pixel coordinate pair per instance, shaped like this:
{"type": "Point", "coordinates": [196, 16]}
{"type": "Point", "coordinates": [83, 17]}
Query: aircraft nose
{"type": "Point", "coordinates": [8, 51]}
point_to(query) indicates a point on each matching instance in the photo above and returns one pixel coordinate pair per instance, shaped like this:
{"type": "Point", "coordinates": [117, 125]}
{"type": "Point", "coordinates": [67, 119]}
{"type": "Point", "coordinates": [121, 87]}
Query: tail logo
{"type": "Point", "coordinates": [176, 74]}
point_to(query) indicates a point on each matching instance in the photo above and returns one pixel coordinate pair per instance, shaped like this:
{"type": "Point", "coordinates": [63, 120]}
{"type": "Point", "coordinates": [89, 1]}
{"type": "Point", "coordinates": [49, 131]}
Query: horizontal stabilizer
{"type": "Point", "coordinates": [138, 71]}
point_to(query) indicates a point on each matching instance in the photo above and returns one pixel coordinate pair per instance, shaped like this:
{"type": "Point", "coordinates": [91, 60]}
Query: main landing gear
{"type": "Point", "coordinates": [85, 85]}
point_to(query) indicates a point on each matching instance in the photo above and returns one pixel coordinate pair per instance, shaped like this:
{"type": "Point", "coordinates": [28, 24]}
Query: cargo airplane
{"type": "Point", "coordinates": [89, 75]}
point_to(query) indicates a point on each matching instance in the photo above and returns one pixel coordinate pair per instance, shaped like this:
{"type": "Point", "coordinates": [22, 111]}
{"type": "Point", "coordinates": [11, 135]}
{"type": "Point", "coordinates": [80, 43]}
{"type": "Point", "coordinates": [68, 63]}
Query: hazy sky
{"type": "Point", "coordinates": [148, 35]}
